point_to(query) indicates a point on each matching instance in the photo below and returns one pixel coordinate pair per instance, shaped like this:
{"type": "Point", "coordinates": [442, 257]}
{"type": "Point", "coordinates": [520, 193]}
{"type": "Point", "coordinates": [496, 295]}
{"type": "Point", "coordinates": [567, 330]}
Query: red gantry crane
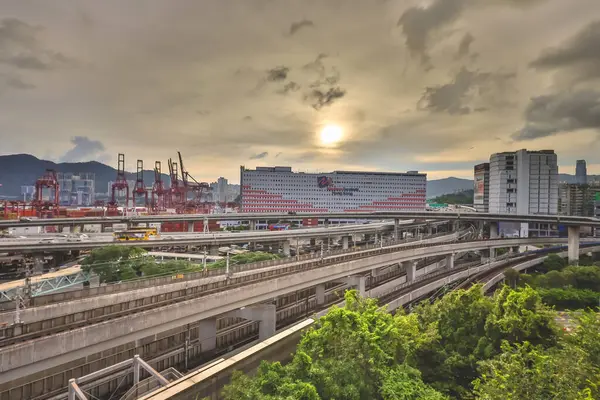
{"type": "Point", "coordinates": [119, 185]}
{"type": "Point", "coordinates": [140, 189]}
{"type": "Point", "coordinates": [158, 201]}
{"type": "Point", "coordinates": [46, 208]}
{"type": "Point", "coordinates": [192, 186]}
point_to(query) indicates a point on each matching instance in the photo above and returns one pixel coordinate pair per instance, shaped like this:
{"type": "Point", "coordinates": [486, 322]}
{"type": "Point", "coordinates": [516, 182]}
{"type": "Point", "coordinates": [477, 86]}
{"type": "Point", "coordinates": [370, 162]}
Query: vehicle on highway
{"type": "Point", "coordinates": [25, 219]}
{"type": "Point", "coordinates": [152, 231]}
{"type": "Point", "coordinates": [279, 227]}
{"type": "Point", "coordinates": [77, 237]}
{"type": "Point", "coordinates": [136, 234]}
{"type": "Point", "coordinates": [48, 241]}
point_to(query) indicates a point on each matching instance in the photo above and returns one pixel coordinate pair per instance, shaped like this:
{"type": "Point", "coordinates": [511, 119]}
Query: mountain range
{"type": "Point", "coordinates": [18, 170]}
{"type": "Point", "coordinates": [23, 169]}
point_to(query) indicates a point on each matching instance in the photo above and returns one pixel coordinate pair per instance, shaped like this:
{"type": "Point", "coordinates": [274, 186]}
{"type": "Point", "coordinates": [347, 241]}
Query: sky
{"type": "Point", "coordinates": [319, 85]}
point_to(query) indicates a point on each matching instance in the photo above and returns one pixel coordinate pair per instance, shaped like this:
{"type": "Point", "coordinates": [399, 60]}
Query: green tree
{"type": "Point", "coordinates": [454, 325]}
{"type": "Point", "coordinates": [404, 383]}
{"type": "Point", "coordinates": [553, 263]}
{"type": "Point", "coordinates": [524, 371]}
{"type": "Point", "coordinates": [245, 258]}
{"type": "Point", "coordinates": [351, 347]}
{"type": "Point", "coordinates": [586, 336]}
{"type": "Point", "coordinates": [512, 277]}
{"type": "Point", "coordinates": [519, 316]}
{"type": "Point", "coordinates": [569, 299]}
{"type": "Point", "coordinates": [115, 263]}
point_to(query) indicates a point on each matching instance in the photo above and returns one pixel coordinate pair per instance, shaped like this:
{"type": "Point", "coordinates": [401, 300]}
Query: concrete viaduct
{"type": "Point", "coordinates": [232, 296]}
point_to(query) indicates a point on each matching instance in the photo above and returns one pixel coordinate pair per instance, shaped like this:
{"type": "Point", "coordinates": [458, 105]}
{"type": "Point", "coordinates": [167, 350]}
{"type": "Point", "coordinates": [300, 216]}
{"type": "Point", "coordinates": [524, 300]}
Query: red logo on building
{"type": "Point", "coordinates": [324, 181]}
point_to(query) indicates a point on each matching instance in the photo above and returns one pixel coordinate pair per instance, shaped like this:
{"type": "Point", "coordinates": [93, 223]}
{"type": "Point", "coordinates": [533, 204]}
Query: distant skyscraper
{"type": "Point", "coordinates": [581, 172]}
{"type": "Point", "coordinates": [481, 195]}
{"type": "Point", "coordinates": [525, 182]}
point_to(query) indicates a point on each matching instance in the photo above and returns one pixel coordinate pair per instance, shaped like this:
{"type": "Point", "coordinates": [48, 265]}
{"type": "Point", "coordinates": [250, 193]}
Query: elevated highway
{"type": "Point", "coordinates": [210, 239]}
{"type": "Point", "coordinates": [231, 293]}
{"type": "Point", "coordinates": [446, 215]}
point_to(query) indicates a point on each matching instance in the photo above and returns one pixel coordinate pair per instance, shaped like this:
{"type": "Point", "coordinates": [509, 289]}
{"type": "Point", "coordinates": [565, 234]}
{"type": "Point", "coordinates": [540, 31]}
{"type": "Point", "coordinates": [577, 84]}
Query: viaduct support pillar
{"type": "Point", "coordinates": [357, 282]}
{"type": "Point", "coordinates": [397, 229]}
{"type": "Point", "coordinates": [573, 245]}
{"type": "Point", "coordinates": [494, 230]}
{"type": "Point", "coordinates": [263, 313]}
{"type": "Point", "coordinates": [450, 260]}
{"type": "Point", "coordinates": [345, 242]}
{"type": "Point", "coordinates": [252, 225]}
{"type": "Point", "coordinates": [320, 294]}
{"type": "Point", "coordinates": [213, 250]}
{"type": "Point", "coordinates": [286, 248]}
{"type": "Point", "coordinates": [455, 226]}
{"type": "Point", "coordinates": [207, 334]}
{"type": "Point", "coordinates": [411, 270]}
{"type": "Point", "coordinates": [190, 226]}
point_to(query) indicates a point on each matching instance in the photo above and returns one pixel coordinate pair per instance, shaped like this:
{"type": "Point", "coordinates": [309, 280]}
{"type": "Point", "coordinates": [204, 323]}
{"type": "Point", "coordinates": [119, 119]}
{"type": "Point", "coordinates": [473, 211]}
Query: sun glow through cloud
{"type": "Point", "coordinates": [331, 134]}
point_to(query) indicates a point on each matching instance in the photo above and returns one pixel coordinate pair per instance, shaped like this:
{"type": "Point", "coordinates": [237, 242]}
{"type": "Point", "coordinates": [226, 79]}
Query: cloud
{"type": "Point", "coordinates": [320, 99]}
{"type": "Point", "coordinates": [465, 45]}
{"type": "Point", "coordinates": [560, 112]}
{"type": "Point", "coordinates": [354, 68]}
{"type": "Point", "coordinates": [259, 156]}
{"type": "Point", "coordinates": [83, 149]}
{"type": "Point", "coordinates": [418, 23]}
{"type": "Point", "coordinates": [20, 48]}
{"type": "Point", "coordinates": [277, 74]}
{"type": "Point", "coordinates": [17, 83]}
{"type": "Point", "coordinates": [16, 32]}
{"type": "Point", "coordinates": [470, 91]}
{"type": "Point", "coordinates": [290, 87]}
{"type": "Point", "coordinates": [13, 81]}
{"type": "Point", "coordinates": [296, 26]}
{"type": "Point", "coordinates": [581, 52]}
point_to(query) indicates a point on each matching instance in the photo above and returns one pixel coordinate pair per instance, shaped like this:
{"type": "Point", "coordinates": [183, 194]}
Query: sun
{"type": "Point", "coordinates": [331, 134]}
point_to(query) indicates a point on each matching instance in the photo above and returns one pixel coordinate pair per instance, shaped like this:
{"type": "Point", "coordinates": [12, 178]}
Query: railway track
{"type": "Point", "coordinates": [68, 326]}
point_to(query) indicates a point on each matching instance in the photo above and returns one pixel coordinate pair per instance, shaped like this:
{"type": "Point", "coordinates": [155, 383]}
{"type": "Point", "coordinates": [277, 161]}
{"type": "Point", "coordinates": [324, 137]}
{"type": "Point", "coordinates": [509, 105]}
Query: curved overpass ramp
{"type": "Point", "coordinates": [40, 354]}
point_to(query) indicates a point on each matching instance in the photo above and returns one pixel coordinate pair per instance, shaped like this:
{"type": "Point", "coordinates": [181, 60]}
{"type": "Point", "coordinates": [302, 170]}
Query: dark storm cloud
{"type": "Point", "coordinates": [418, 23]}
{"type": "Point", "coordinates": [561, 112]}
{"type": "Point", "coordinates": [278, 74]}
{"type": "Point", "coordinates": [259, 156]}
{"type": "Point", "coordinates": [296, 26]}
{"type": "Point", "coordinates": [465, 45]}
{"type": "Point", "coordinates": [449, 97]}
{"type": "Point", "coordinates": [320, 99]}
{"type": "Point", "coordinates": [582, 52]}
{"type": "Point", "coordinates": [83, 149]}
{"type": "Point", "coordinates": [456, 97]}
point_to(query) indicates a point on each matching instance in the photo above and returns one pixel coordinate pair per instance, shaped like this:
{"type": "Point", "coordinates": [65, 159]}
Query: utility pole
{"type": "Point", "coordinates": [227, 264]}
